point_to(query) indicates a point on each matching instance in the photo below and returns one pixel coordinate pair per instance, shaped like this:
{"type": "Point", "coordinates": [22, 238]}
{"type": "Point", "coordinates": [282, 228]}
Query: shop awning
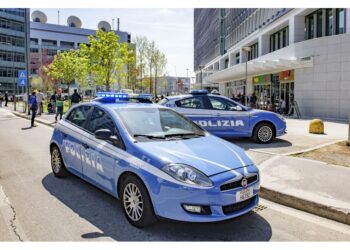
{"type": "Point", "coordinates": [257, 67]}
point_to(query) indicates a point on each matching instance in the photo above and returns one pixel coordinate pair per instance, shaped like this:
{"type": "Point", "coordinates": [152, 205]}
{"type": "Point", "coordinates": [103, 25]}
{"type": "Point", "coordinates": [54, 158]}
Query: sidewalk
{"type": "Point", "coordinates": [308, 185]}
{"type": "Point", "coordinates": [45, 118]}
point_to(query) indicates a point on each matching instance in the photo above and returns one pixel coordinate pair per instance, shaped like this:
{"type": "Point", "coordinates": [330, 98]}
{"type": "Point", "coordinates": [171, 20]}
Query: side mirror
{"type": "Point", "coordinates": [106, 135]}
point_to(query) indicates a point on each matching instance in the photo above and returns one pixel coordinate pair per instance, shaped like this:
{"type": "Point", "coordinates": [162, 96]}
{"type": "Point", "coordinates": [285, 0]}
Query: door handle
{"type": "Point", "coordinates": [85, 145]}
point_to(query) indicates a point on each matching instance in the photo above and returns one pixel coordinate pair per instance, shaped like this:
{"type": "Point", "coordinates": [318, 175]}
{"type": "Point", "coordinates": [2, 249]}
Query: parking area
{"type": "Point", "coordinates": [297, 139]}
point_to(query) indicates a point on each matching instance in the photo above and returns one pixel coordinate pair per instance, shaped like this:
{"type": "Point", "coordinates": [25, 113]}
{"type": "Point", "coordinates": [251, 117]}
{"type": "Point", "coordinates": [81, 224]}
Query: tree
{"type": "Point", "coordinates": [106, 57]}
{"type": "Point", "coordinates": [159, 64]}
{"type": "Point", "coordinates": [141, 43]}
{"type": "Point", "coordinates": [68, 66]}
{"type": "Point", "coordinates": [150, 53]}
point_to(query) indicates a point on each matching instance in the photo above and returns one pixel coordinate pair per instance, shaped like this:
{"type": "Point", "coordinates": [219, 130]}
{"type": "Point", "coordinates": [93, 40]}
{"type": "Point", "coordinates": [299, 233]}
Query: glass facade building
{"type": "Point", "coordinates": [12, 47]}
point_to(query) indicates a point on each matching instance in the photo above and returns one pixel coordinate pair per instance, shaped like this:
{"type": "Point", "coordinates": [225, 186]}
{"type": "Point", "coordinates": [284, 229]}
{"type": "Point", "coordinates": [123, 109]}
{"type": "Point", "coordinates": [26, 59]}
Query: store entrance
{"type": "Point", "coordinates": [287, 94]}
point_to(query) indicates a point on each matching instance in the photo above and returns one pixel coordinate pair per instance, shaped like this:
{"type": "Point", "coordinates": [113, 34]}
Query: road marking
{"type": "Point", "coordinates": [320, 221]}
{"type": "Point", "coordinates": [9, 214]}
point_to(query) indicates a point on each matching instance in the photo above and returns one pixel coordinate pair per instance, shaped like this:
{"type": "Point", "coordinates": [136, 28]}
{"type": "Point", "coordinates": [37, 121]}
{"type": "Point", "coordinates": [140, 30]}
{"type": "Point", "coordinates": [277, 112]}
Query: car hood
{"type": "Point", "coordinates": [210, 154]}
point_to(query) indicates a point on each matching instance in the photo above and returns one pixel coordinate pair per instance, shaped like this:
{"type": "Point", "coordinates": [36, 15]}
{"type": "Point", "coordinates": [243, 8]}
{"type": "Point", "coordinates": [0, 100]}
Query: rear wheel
{"type": "Point", "coordinates": [136, 202]}
{"type": "Point", "coordinates": [58, 168]}
{"type": "Point", "coordinates": [263, 133]}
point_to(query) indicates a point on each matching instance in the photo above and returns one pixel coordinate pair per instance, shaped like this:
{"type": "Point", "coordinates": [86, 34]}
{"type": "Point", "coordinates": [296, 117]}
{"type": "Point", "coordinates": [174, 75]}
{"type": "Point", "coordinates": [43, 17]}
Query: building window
{"type": "Point", "coordinates": [237, 58]}
{"type": "Point", "coordinates": [340, 21]}
{"type": "Point", "coordinates": [279, 39]}
{"type": "Point", "coordinates": [254, 53]}
{"type": "Point", "coordinates": [314, 28]}
{"type": "Point", "coordinates": [49, 42]}
{"type": "Point", "coordinates": [329, 22]}
{"type": "Point", "coordinates": [34, 41]}
{"type": "Point", "coordinates": [226, 63]}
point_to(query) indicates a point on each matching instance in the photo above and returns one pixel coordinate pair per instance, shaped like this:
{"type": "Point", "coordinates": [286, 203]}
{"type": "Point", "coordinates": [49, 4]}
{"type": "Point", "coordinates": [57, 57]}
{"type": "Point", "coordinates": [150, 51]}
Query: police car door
{"type": "Point", "coordinates": [72, 129]}
{"type": "Point", "coordinates": [230, 118]}
{"type": "Point", "coordinates": [100, 156]}
{"type": "Point", "coordinates": [196, 108]}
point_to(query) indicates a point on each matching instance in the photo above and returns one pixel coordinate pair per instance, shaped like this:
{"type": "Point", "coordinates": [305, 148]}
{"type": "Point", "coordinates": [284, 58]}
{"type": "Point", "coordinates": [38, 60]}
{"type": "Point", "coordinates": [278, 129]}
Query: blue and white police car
{"type": "Point", "coordinates": [224, 117]}
{"type": "Point", "coordinates": [157, 162]}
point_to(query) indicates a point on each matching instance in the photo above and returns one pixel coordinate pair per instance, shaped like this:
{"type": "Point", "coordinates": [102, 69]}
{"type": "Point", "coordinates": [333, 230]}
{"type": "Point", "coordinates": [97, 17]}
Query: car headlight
{"type": "Point", "coordinates": [281, 117]}
{"type": "Point", "coordinates": [187, 174]}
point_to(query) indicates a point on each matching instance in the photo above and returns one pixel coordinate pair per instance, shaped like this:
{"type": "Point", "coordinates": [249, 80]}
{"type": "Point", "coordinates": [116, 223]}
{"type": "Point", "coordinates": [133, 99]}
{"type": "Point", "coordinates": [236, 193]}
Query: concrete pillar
{"type": "Point", "coordinates": [334, 12]}
{"type": "Point", "coordinates": [296, 29]}
{"type": "Point", "coordinates": [264, 41]}
{"type": "Point", "coordinates": [323, 22]}
{"type": "Point", "coordinates": [315, 25]}
{"type": "Point", "coordinates": [347, 20]}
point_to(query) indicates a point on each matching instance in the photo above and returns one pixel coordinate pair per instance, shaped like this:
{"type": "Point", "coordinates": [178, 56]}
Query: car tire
{"type": "Point", "coordinates": [57, 164]}
{"type": "Point", "coordinates": [263, 133]}
{"type": "Point", "coordinates": [136, 202]}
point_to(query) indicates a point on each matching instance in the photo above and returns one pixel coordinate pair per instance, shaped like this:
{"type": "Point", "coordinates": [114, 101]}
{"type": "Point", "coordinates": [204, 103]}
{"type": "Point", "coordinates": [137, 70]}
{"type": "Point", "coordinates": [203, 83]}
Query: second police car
{"type": "Point", "coordinates": [224, 117]}
{"type": "Point", "coordinates": [156, 161]}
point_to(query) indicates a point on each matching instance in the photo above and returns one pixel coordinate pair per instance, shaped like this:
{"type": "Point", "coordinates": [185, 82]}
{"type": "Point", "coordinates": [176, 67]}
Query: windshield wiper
{"type": "Point", "coordinates": [150, 136]}
{"type": "Point", "coordinates": [183, 135]}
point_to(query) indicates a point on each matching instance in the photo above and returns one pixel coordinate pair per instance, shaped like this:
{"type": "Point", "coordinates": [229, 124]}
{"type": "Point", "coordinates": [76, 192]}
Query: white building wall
{"type": "Point", "coordinates": [324, 90]}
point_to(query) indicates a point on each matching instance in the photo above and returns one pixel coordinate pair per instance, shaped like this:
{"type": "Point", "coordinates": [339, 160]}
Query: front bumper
{"type": "Point", "coordinates": [169, 200]}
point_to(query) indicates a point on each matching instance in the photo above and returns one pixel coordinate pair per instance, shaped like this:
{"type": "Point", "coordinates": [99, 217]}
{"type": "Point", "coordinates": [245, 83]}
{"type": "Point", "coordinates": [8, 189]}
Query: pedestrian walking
{"type": "Point", "coordinates": [59, 104]}
{"type": "Point", "coordinates": [53, 102]}
{"type": "Point", "coordinates": [6, 98]}
{"type": "Point", "coordinates": [33, 107]}
{"type": "Point", "coordinates": [40, 99]}
{"type": "Point", "coordinates": [252, 100]}
{"type": "Point", "coordinates": [75, 98]}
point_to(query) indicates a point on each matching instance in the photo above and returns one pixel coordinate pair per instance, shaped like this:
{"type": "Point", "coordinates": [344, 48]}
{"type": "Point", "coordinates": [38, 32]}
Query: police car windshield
{"type": "Point", "coordinates": [158, 124]}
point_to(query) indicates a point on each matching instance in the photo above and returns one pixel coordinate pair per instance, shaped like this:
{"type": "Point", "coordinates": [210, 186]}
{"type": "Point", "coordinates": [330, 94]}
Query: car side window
{"type": "Point", "coordinates": [79, 115]}
{"type": "Point", "coordinates": [222, 104]}
{"type": "Point", "coordinates": [100, 119]}
{"type": "Point", "coordinates": [194, 102]}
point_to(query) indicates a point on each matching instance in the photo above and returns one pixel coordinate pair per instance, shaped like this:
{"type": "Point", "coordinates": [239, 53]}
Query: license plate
{"type": "Point", "coordinates": [244, 194]}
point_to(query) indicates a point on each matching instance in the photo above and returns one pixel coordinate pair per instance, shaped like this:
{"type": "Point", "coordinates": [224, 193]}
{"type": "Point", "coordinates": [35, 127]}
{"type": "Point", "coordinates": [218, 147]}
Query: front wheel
{"type": "Point", "coordinates": [136, 202]}
{"type": "Point", "coordinates": [58, 168]}
{"type": "Point", "coordinates": [263, 133]}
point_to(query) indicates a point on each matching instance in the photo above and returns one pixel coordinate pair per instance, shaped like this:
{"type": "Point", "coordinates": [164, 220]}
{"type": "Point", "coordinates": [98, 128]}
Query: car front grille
{"type": "Point", "coordinates": [237, 206]}
{"type": "Point", "coordinates": [236, 184]}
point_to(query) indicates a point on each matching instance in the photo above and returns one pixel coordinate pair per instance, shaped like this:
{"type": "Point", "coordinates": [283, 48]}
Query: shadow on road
{"type": "Point", "coordinates": [104, 212]}
{"type": "Point", "coordinates": [248, 143]}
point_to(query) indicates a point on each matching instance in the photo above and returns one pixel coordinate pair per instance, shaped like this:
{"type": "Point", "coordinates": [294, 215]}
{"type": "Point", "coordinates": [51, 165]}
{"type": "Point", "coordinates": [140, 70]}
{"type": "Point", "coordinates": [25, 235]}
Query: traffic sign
{"type": "Point", "coordinates": [22, 82]}
{"type": "Point", "coordinates": [22, 74]}
{"type": "Point", "coordinates": [22, 78]}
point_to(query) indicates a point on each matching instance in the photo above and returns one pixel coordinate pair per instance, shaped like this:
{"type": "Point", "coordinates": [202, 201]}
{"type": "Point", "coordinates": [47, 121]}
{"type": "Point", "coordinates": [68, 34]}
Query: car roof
{"type": "Point", "coordinates": [124, 105]}
{"type": "Point", "coordinates": [190, 95]}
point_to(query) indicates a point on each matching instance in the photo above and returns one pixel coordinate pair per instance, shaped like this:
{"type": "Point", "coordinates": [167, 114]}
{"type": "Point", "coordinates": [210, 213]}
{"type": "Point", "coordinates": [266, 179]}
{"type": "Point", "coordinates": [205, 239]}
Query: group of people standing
{"type": "Point", "coordinates": [55, 105]}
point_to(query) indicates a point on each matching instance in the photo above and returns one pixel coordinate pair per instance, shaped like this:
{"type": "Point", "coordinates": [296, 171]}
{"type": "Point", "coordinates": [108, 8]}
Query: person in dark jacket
{"type": "Point", "coordinates": [33, 104]}
{"type": "Point", "coordinates": [75, 98]}
{"type": "Point", "coordinates": [6, 98]}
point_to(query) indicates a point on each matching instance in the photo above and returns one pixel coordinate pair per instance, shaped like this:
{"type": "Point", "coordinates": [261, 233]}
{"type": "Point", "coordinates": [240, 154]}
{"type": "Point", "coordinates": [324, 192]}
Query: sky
{"type": "Point", "coordinates": [171, 29]}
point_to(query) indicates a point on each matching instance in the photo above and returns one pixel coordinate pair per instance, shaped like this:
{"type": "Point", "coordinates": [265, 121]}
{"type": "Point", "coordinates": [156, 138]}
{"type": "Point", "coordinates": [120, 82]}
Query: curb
{"type": "Point", "coordinates": [329, 212]}
{"type": "Point", "coordinates": [36, 120]}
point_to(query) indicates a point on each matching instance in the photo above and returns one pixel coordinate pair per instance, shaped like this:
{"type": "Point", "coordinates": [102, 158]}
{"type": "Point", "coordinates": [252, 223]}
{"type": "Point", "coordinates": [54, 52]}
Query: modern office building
{"type": "Point", "coordinates": [12, 47]}
{"type": "Point", "coordinates": [47, 39]}
{"type": "Point", "coordinates": [300, 55]}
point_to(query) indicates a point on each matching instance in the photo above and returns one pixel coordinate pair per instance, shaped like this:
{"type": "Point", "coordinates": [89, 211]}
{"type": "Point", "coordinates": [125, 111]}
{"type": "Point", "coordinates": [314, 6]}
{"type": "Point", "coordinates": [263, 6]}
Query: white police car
{"type": "Point", "coordinates": [224, 117]}
{"type": "Point", "coordinates": [156, 161]}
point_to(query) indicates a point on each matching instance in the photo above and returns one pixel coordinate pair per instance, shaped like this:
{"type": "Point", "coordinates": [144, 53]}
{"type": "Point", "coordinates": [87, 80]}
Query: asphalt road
{"type": "Point", "coordinates": [36, 206]}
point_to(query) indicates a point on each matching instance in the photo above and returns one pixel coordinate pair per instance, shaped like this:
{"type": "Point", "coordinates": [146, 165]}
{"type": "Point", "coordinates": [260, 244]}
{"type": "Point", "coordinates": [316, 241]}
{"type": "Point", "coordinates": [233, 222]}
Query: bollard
{"type": "Point", "coordinates": [316, 127]}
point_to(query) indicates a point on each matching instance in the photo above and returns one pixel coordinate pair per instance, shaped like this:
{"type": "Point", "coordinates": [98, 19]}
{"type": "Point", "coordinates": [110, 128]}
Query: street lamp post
{"type": "Point", "coordinates": [201, 67]}
{"type": "Point", "coordinates": [246, 50]}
